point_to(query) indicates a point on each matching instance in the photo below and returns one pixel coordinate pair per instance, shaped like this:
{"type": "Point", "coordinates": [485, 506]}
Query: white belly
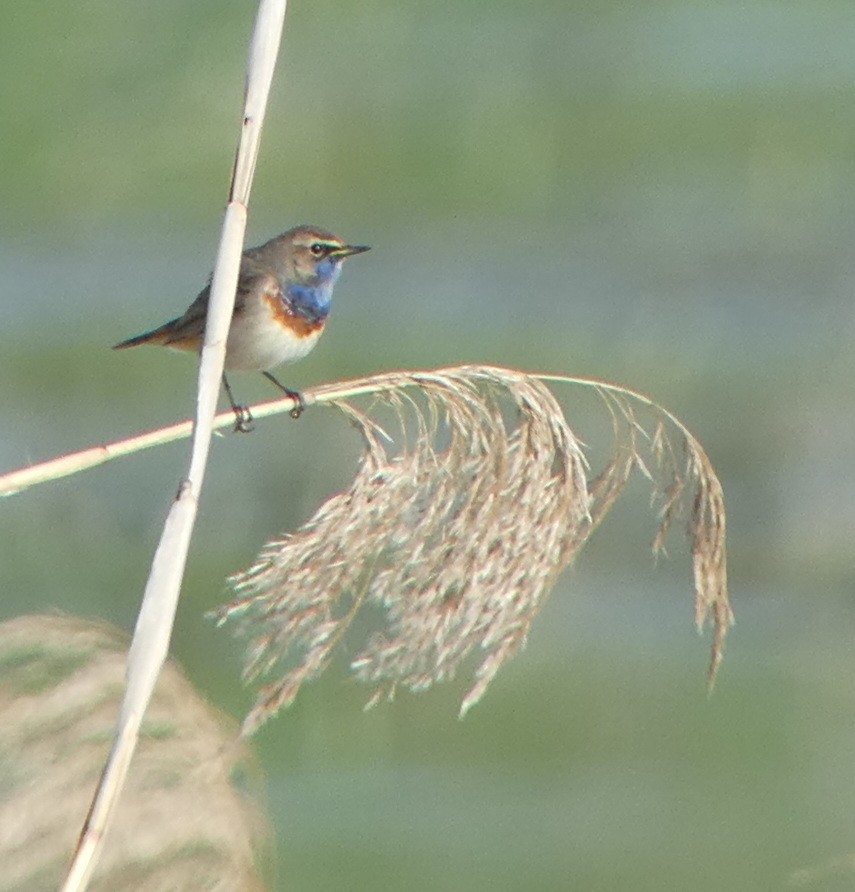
{"type": "Point", "coordinates": [255, 347]}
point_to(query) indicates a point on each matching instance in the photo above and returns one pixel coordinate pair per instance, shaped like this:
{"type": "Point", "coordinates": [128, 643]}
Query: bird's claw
{"type": "Point", "coordinates": [298, 410]}
{"type": "Point", "coordinates": [244, 422]}
{"type": "Point", "coordinates": [299, 403]}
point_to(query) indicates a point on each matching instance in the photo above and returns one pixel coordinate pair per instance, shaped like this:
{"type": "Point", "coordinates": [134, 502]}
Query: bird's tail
{"type": "Point", "coordinates": [163, 335]}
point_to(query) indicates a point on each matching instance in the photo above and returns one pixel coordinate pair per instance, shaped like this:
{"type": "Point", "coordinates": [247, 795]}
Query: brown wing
{"type": "Point", "coordinates": [187, 331]}
{"type": "Point", "coordinates": [253, 267]}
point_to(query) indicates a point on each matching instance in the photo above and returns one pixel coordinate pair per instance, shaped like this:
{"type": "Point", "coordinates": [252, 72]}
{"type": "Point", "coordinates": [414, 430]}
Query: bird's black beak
{"type": "Point", "coordinates": [349, 250]}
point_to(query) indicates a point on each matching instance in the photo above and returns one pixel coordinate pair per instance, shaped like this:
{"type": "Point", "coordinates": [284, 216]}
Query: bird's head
{"type": "Point", "coordinates": [315, 256]}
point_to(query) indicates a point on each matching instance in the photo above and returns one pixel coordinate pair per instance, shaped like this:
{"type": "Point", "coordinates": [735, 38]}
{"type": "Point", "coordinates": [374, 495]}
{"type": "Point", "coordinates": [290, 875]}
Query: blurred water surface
{"type": "Point", "coordinates": [651, 192]}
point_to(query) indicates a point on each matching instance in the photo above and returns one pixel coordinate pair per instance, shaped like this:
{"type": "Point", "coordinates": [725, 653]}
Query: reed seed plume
{"type": "Point", "coordinates": [471, 495]}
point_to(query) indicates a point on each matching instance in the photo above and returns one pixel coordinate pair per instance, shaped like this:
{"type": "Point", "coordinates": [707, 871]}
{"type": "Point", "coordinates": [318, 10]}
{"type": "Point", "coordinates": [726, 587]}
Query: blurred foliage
{"type": "Point", "coordinates": [557, 109]}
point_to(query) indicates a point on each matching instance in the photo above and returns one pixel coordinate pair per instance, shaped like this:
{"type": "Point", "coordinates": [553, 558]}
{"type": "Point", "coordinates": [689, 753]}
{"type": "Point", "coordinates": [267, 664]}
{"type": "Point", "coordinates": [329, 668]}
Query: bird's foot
{"type": "Point", "coordinates": [244, 422]}
{"type": "Point", "coordinates": [299, 403]}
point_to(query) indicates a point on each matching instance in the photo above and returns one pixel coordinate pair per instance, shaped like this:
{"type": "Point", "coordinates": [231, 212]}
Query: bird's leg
{"type": "Point", "coordinates": [243, 417]}
{"type": "Point", "coordinates": [295, 395]}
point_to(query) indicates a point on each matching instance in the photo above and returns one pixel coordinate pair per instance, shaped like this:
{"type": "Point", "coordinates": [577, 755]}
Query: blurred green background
{"type": "Point", "coordinates": [656, 193]}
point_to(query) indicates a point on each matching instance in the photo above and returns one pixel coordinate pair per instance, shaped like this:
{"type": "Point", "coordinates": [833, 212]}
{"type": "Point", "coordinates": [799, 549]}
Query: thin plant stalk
{"type": "Point", "coordinates": [17, 481]}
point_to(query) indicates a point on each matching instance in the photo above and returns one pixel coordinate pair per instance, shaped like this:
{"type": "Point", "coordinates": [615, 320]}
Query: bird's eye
{"type": "Point", "coordinates": [318, 249]}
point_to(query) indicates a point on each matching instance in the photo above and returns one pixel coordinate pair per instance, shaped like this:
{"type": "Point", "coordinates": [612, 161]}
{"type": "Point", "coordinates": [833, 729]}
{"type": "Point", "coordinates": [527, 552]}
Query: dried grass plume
{"type": "Point", "coordinates": [190, 817]}
{"type": "Point", "coordinates": [472, 494]}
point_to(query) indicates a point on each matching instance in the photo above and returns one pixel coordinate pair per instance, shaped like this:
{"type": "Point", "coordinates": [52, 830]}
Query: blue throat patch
{"type": "Point", "coordinates": [312, 300]}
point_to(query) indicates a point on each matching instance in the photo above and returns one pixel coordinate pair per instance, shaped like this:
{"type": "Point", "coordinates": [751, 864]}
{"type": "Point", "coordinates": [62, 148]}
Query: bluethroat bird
{"type": "Point", "coordinates": [283, 300]}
